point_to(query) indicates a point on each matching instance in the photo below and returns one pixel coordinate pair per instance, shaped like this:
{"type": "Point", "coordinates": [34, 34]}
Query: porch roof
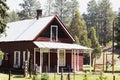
{"type": "Point", "coordinates": [57, 45]}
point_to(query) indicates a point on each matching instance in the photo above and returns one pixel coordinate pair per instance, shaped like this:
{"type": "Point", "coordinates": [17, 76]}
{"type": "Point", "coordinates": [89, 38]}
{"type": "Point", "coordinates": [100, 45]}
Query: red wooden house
{"type": "Point", "coordinates": [46, 40]}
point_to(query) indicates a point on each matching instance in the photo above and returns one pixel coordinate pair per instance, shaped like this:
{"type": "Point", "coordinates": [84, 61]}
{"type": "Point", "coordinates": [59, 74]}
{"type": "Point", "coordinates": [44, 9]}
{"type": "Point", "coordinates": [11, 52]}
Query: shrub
{"type": "Point", "coordinates": [102, 77]}
{"type": "Point", "coordinates": [85, 76]}
{"type": "Point", "coordinates": [35, 77]}
{"type": "Point", "coordinates": [45, 77]}
{"type": "Point", "coordinates": [1, 55]}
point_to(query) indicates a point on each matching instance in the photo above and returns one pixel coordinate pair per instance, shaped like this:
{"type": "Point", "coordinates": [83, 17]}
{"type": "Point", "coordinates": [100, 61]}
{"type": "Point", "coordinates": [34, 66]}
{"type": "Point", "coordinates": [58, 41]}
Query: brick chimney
{"type": "Point", "coordinates": [39, 13]}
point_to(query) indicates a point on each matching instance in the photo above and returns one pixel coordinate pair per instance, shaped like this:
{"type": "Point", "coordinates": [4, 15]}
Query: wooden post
{"type": "Point", "coordinates": [41, 60]}
{"type": "Point", "coordinates": [94, 63]}
{"type": "Point", "coordinates": [113, 77]}
{"type": "Point", "coordinates": [90, 63]}
{"type": "Point", "coordinates": [58, 61]}
{"type": "Point", "coordinates": [9, 75]}
{"type": "Point", "coordinates": [61, 73]}
{"type": "Point", "coordinates": [74, 60]}
{"type": "Point", "coordinates": [72, 57]}
{"type": "Point", "coordinates": [103, 61]}
{"type": "Point", "coordinates": [68, 76]}
{"type": "Point", "coordinates": [106, 63]}
{"type": "Point", "coordinates": [30, 66]}
{"type": "Point", "coordinates": [113, 47]}
{"type": "Point", "coordinates": [26, 69]}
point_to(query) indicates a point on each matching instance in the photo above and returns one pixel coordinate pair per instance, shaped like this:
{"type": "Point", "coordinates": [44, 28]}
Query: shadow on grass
{"type": "Point", "coordinates": [18, 76]}
{"type": "Point", "coordinates": [21, 76]}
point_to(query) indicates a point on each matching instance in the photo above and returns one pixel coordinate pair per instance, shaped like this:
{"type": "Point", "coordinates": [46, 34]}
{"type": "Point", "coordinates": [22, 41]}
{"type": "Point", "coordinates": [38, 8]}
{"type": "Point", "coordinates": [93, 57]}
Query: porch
{"type": "Point", "coordinates": [52, 57]}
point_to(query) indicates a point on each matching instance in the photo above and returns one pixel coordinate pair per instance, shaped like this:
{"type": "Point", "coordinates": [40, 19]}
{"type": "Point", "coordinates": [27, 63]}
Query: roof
{"type": "Point", "coordinates": [26, 30]}
{"type": "Point", "coordinates": [58, 45]}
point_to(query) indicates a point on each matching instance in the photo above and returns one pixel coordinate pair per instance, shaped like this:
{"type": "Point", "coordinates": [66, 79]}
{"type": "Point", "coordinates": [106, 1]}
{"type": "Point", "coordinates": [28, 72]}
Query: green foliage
{"type": "Point", "coordinates": [117, 32]}
{"type": "Point", "coordinates": [65, 10]}
{"type": "Point", "coordinates": [94, 42]}
{"type": "Point", "coordinates": [35, 77]}
{"type": "Point", "coordinates": [29, 9]}
{"type": "Point", "coordinates": [100, 15]}
{"type": "Point", "coordinates": [45, 77]}
{"type": "Point", "coordinates": [3, 15]}
{"type": "Point", "coordinates": [13, 16]}
{"type": "Point", "coordinates": [77, 40]}
{"type": "Point", "coordinates": [85, 76]}
{"type": "Point", "coordinates": [78, 29]}
{"type": "Point", "coordinates": [1, 54]}
{"type": "Point", "coordinates": [49, 8]}
{"type": "Point", "coordinates": [102, 77]}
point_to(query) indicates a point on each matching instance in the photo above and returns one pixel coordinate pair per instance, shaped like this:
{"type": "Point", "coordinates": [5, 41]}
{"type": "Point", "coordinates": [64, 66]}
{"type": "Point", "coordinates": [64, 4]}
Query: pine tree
{"type": "Point", "coordinates": [94, 42]}
{"type": "Point", "coordinates": [78, 28]}
{"type": "Point", "coordinates": [117, 32]}
{"type": "Point", "coordinates": [100, 16]}
{"type": "Point", "coordinates": [13, 16]}
{"type": "Point", "coordinates": [29, 9]}
{"type": "Point", "coordinates": [92, 12]}
{"type": "Point", "coordinates": [49, 9]}
{"type": "Point", "coordinates": [107, 16]}
{"type": "Point", "coordinates": [3, 15]}
{"type": "Point", "coordinates": [65, 10]}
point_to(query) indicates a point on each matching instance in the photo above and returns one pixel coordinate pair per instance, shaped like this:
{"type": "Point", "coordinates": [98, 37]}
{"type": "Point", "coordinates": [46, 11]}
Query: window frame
{"type": "Point", "coordinates": [51, 33]}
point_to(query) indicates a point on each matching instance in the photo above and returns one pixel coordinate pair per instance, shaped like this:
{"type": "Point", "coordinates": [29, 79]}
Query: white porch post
{"type": "Point", "coordinates": [72, 57]}
{"type": "Point", "coordinates": [78, 60]}
{"type": "Point", "coordinates": [41, 60]}
{"type": "Point", "coordinates": [90, 62]}
{"type": "Point", "coordinates": [58, 60]}
{"type": "Point", "coordinates": [74, 60]}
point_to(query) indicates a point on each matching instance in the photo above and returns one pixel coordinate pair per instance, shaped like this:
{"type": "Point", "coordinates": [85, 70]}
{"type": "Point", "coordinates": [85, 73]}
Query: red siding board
{"type": "Point", "coordinates": [81, 62]}
{"type": "Point", "coordinates": [10, 47]}
{"type": "Point", "coordinates": [68, 59]}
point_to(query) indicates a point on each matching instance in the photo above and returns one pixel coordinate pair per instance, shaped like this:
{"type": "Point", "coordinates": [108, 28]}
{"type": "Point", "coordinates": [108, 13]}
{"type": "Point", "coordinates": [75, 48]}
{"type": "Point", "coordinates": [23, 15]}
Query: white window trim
{"type": "Point", "coordinates": [23, 58]}
{"type": "Point", "coordinates": [16, 66]}
{"type": "Point", "coordinates": [56, 32]}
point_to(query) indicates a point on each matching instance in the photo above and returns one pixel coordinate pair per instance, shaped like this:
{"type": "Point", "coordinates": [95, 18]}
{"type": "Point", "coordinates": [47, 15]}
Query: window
{"type": "Point", "coordinates": [54, 33]}
{"type": "Point", "coordinates": [16, 59]}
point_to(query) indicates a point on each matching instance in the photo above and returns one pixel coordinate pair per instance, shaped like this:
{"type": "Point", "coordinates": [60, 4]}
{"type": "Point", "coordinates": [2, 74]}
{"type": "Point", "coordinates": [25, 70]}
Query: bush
{"type": "Point", "coordinates": [35, 77]}
{"type": "Point", "coordinates": [85, 76]}
{"type": "Point", "coordinates": [45, 77]}
{"type": "Point", "coordinates": [102, 77]}
{"type": "Point", "coordinates": [1, 55]}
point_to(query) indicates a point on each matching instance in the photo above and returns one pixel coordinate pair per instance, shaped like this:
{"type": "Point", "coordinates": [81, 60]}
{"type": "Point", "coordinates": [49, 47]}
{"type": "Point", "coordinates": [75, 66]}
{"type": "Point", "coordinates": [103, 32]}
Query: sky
{"type": "Point", "coordinates": [14, 4]}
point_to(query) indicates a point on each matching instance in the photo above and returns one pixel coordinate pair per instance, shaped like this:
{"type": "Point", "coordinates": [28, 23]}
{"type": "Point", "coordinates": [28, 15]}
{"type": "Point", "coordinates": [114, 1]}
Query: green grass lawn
{"type": "Point", "coordinates": [19, 76]}
{"type": "Point", "coordinates": [58, 77]}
